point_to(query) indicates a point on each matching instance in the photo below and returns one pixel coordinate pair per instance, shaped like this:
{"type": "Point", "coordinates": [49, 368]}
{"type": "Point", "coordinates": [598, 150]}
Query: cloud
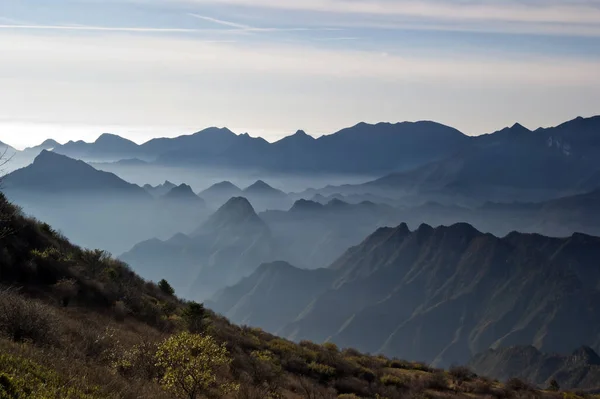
{"type": "Point", "coordinates": [221, 22]}
{"type": "Point", "coordinates": [247, 28]}
{"type": "Point", "coordinates": [105, 28]}
{"type": "Point", "coordinates": [529, 16]}
{"type": "Point", "coordinates": [168, 80]}
{"type": "Point", "coordinates": [525, 11]}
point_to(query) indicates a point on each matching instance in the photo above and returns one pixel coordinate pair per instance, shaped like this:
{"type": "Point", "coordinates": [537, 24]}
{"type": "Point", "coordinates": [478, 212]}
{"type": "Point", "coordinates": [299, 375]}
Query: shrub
{"type": "Point", "coordinates": [400, 364]}
{"type": "Point", "coordinates": [322, 370]}
{"type": "Point", "coordinates": [554, 386]}
{"type": "Point", "coordinates": [516, 384]}
{"type": "Point", "coordinates": [22, 378]}
{"type": "Point", "coordinates": [166, 288]}
{"type": "Point", "coordinates": [392, 380]}
{"type": "Point", "coordinates": [191, 363]}
{"type": "Point", "coordinates": [23, 320]}
{"type": "Point", "coordinates": [139, 362]}
{"type": "Point", "coordinates": [436, 381]}
{"type": "Point", "coordinates": [461, 374]}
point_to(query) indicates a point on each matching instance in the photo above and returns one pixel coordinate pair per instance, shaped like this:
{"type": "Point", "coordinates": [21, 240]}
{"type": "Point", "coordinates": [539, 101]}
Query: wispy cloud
{"type": "Point", "coordinates": [247, 28]}
{"type": "Point", "coordinates": [509, 10]}
{"type": "Point", "coordinates": [528, 16]}
{"type": "Point", "coordinates": [105, 28]}
{"type": "Point", "coordinates": [221, 22]}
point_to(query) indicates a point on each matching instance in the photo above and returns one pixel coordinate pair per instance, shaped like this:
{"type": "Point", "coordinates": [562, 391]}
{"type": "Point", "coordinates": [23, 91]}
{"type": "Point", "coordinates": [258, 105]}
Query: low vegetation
{"type": "Point", "coordinates": [77, 323]}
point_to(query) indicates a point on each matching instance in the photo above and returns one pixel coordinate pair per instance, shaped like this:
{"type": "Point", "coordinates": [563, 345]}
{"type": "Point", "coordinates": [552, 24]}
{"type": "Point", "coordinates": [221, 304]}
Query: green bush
{"type": "Point", "coordinates": [22, 378]}
{"type": "Point", "coordinates": [191, 363]}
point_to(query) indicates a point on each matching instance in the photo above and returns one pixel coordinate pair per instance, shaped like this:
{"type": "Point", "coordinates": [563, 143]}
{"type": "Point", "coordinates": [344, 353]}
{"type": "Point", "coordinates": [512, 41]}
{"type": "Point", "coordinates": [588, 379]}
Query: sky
{"type": "Point", "coordinates": [74, 69]}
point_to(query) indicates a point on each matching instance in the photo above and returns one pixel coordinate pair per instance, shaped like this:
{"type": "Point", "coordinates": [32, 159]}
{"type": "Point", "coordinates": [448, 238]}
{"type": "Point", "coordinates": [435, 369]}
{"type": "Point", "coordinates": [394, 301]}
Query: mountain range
{"type": "Point", "coordinates": [231, 244]}
{"type": "Point", "coordinates": [439, 295]}
{"type": "Point", "coordinates": [511, 164]}
{"type": "Point", "coordinates": [73, 196]}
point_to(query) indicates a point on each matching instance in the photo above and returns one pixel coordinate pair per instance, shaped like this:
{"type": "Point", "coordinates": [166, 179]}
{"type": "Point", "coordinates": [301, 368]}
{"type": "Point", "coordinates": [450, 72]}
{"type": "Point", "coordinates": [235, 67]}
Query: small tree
{"type": "Point", "coordinates": [193, 315]}
{"type": "Point", "coordinates": [166, 287]}
{"type": "Point", "coordinates": [191, 363]}
{"type": "Point", "coordinates": [554, 386]}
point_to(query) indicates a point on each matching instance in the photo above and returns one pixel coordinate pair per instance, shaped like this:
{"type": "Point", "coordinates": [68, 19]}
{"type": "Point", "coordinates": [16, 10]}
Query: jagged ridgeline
{"type": "Point", "coordinates": [77, 323]}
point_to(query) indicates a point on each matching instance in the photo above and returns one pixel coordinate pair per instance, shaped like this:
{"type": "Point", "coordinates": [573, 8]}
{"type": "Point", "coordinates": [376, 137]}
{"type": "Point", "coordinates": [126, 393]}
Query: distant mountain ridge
{"type": "Point", "coordinates": [51, 172]}
{"type": "Point", "coordinates": [440, 294]}
{"type": "Point", "coordinates": [511, 164]}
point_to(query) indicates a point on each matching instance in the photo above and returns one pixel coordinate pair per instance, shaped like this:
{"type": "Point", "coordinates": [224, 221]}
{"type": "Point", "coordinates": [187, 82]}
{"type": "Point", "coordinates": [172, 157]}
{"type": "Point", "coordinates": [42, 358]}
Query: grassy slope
{"type": "Point", "coordinates": [49, 350]}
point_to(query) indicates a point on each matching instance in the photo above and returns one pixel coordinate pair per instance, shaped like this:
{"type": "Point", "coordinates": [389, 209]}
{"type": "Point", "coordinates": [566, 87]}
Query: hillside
{"type": "Point", "coordinates": [442, 294]}
{"type": "Point", "coordinates": [79, 324]}
{"type": "Point", "coordinates": [579, 369]}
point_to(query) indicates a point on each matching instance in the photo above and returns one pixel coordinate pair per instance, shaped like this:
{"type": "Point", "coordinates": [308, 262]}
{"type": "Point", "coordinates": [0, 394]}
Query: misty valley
{"type": "Point", "coordinates": [410, 240]}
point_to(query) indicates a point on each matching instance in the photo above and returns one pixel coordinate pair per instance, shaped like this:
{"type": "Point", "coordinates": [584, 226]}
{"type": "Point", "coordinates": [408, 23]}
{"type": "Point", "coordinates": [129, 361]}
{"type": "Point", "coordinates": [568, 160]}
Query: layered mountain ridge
{"type": "Point", "coordinates": [440, 294]}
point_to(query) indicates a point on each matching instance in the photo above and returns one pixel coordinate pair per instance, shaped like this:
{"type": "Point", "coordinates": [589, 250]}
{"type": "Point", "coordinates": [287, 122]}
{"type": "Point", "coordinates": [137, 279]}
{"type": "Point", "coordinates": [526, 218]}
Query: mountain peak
{"type": "Point", "coordinates": [224, 185]}
{"type": "Point", "coordinates": [49, 143]}
{"type": "Point", "coordinates": [48, 158]}
{"type": "Point", "coordinates": [234, 213]}
{"type": "Point", "coordinates": [518, 126]}
{"type": "Point", "coordinates": [110, 137]}
{"type": "Point", "coordinates": [182, 192]}
{"type": "Point", "coordinates": [260, 187]}
{"type": "Point", "coordinates": [305, 205]}
{"type": "Point", "coordinates": [337, 203]}
{"type": "Point", "coordinates": [585, 355]}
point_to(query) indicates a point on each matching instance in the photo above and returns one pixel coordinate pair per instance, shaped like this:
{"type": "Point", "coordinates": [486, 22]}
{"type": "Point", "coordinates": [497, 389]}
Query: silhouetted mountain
{"type": "Point", "coordinates": [161, 189]}
{"type": "Point", "coordinates": [314, 235]}
{"type": "Point", "coordinates": [306, 206]}
{"type": "Point", "coordinates": [578, 370]}
{"type": "Point", "coordinates": [46, 145]}
{"type": "Point", "coordinates": [51, 173]}
{"type": "Point", "coordinates": [182, 194]}
{"type": "Point", "coordinates": [73, 196]}
{"type": "Point", "coordinates": [231, 244]}
{"type": "Point", "coordinates": [511, 164]}
{"type": "Point", "coordinates": [443, 294]}
{"type": "Point", "coordinates": [264, 196]}
{"type": "Point", "coordinates": [548, 158]}
{"type": "Point", "coordinates": [108, 147]}
{"type": "Point", "coordinates": [219, 193]}
{"type": "Point", "coordinates": [262, 188]}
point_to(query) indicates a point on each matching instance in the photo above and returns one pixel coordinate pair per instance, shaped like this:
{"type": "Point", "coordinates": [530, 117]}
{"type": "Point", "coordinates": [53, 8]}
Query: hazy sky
{"type": "Point", "coordinates": [73, 69]}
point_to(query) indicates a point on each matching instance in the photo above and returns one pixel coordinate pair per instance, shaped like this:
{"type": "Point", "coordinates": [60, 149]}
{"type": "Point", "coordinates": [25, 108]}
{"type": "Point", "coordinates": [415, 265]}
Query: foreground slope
{"type": "Point", "coordinates": [79, 324]}
{"type": "Point", "coordinates": [579, 369]}
{"type": "Point", "coordinates": [444, 294]}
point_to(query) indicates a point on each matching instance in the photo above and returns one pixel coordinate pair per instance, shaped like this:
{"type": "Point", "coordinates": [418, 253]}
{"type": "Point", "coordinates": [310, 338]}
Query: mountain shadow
{"type": "Point", "coordinates": [444, 294]}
